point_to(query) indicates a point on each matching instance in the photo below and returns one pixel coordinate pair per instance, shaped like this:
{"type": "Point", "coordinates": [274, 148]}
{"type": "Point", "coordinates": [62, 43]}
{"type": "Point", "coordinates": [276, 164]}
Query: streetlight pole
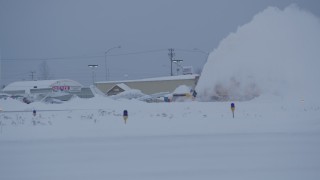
{"type": "Point", "coordinates": [105, 59]}
{"type": "Point", "coordinates": [93, 67]}
{"type": "Point", "coordinates": [177, 61]}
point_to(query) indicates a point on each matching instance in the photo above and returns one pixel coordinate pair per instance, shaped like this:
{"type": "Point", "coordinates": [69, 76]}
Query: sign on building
{"type": "Point", "coordinates": [60, 88]}
{"type": "Point", "coordinates": [187, 70]}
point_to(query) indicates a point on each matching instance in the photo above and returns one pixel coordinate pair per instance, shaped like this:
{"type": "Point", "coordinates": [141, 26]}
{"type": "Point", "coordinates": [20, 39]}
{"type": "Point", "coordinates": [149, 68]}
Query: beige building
{"type": "Point", "coordinates": [152, 85]}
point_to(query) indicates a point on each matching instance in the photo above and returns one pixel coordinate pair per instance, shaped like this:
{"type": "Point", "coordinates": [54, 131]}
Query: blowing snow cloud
{"type": "Point", "coordinates": [277, 53]}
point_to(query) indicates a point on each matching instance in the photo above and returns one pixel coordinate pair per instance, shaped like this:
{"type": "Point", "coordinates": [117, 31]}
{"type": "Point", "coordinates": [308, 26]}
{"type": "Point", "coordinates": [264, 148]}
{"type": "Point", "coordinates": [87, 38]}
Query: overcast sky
{"type": "Point", "coordinates": [68, 35]}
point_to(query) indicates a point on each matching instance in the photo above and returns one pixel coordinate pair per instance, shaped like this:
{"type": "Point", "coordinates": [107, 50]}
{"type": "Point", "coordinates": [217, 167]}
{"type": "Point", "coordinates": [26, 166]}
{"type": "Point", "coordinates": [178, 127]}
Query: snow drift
{"type": "Point", "coordinates": [277, 53]}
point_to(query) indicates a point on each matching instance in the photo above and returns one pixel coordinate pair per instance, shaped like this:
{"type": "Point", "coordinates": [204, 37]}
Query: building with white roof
{"type": "Point", "coordinates": [151, 85]}
{"type": "Point", "coordinates": [118, 88]}
{"type": "Point", "coordinates": [27, 87]}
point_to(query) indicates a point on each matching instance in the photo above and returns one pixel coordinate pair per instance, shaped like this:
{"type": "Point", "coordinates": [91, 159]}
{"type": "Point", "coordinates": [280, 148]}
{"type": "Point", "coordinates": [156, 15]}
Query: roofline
{"type": "Point", "coordinates": [28, 87]}
{"type": "Point", "coordinates": [165, 78]}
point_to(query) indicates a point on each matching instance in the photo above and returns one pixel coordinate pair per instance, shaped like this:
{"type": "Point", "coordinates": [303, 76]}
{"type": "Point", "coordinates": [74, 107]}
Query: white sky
{"type": "Point", "coordinates": [70, 34]}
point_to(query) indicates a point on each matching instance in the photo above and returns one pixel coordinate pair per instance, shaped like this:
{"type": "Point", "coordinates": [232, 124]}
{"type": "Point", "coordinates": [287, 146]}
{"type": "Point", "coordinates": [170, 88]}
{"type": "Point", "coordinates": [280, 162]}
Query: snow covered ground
{"type": "Point", "coordinates": [274, 135]}
{"type": "Point", "coordinates": [88, 139]}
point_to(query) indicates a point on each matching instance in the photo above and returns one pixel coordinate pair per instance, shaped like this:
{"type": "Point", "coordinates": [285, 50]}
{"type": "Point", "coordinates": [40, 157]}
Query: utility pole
{"type": "Point", "coordinates": [171, 55]}
{"type": "Point", "coordinates": [0, 80]}
{"type": "Point", "coordinates": [32, 74]}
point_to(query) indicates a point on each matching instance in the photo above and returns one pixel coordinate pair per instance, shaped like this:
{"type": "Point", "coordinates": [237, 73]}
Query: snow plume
{"type": "Point", "coordinates": [277, 53]}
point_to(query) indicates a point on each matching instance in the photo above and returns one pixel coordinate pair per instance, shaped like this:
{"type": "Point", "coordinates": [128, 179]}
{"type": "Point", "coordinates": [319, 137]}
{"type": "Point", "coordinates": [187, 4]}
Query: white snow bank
{"type": "Point", "coordinates": [277, 53]}
{"type": "Point", "coordinates": [129, 94]}
{"type": "Point", "coordinates": [182, 89]}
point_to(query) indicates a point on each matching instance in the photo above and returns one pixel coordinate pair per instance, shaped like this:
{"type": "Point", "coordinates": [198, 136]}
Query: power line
{"type": "Point", "coordinates": [52, 58]}
{"type": "Point", "coordinates": [94, 56]}
{"type": "Point", "coordinates": [139, 52]}
{"type": "Point", "coordinates": [81, 57]}
{"type": "Point", "coordinates": [195, 50]}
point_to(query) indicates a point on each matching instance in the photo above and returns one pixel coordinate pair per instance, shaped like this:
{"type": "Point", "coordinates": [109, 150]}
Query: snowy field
{"type": "Point", "coordinates": [268, 68]}
{"type": "Point", "coordinates": [88, 139]}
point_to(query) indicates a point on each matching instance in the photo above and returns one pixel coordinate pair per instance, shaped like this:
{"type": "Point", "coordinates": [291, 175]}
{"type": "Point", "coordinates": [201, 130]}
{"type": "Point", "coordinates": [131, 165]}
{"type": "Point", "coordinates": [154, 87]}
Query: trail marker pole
{"type": "Point", "coordinates": [232, 109]}
{"type": "Point", "coordinates": [125, 116]}
{"type": "Point", "coordinates": [34, 112]}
